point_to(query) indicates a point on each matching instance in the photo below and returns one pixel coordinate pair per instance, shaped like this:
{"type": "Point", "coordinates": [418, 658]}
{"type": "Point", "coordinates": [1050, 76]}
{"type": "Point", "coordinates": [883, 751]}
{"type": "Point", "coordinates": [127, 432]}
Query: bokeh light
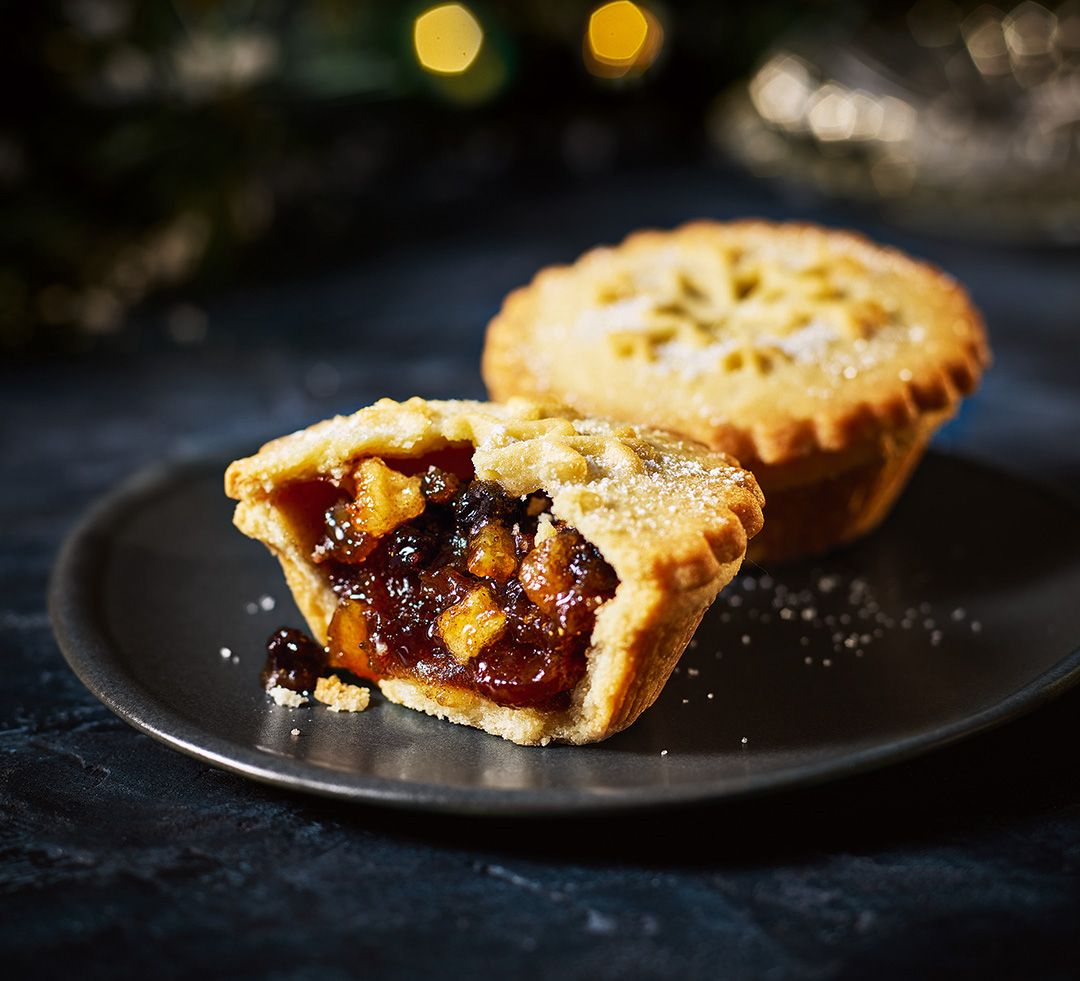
{"type": "Point", "coordinates": [622, 38]}
{"type": "Point", "coordinates": [447, 39]}
{"type": "Point", "coordinates": [617, 32]}
{"type": "Point", "coordinates": [786, 94]}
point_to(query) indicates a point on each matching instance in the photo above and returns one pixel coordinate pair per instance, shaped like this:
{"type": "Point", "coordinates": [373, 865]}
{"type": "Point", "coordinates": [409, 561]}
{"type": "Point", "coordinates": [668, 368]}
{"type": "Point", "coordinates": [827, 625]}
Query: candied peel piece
{"type": "Point", "coordinates": [472, 624]}
{"type": "Point", "coordinates": [385, 498]}
{"type": "Point", "coordinates": [567, 578]}
{"type": "Point", "coordinates": [348, 638]}
{"type": "Point", "coordinates": [545, 571]}
{"type": "Point", "coordinates": [491, 553]}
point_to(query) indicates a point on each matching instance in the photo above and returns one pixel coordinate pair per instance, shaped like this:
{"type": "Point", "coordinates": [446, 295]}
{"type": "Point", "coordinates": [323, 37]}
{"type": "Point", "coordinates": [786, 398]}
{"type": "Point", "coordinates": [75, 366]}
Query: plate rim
{"type": "Point", "coordinates": [73, 602]}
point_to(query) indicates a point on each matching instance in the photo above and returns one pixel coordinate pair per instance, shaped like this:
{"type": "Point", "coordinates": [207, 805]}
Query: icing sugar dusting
{"type": "Point", "coordinates": [807, 343]}
{"type": "Point", "coordinates": [629, 314]}
{"type": "Point", "coordinates": [691, 360]}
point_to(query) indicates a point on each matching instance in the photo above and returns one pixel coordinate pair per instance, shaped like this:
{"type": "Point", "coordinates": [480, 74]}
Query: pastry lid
{"type": "Point", "coordinates": [767, 340]}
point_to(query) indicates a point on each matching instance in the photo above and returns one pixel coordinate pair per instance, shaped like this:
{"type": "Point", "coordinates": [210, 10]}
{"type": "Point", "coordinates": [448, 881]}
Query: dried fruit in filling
{"type": "Point", "coordinates": [441, 577]}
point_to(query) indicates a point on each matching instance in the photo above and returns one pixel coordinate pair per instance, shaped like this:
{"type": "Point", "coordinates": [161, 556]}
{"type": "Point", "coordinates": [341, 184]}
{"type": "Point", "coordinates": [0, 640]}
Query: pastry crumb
{"type": "Point", "coordinates": [338, 696]}
{"type": "Point", "coordinates": [294, 732]}
{"type": "Point", "coordinates": [545, 529]}
{"type": "Point", "coordinates": [287, 697]}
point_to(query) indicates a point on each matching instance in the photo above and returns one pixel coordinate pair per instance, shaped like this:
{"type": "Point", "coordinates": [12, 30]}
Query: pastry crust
{"type": "Point", "coordinates": [671, 517]}
{"type": "Point", "coordinates": [807, 353]}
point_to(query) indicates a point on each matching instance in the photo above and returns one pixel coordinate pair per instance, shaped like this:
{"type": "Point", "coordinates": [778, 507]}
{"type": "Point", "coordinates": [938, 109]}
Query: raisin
{"type": "Point", "coordinates": [344, 541]}
{"type": "Point", "coordinates": [293, 660]}
{"type": "Point", "coordinates": [483, 502]}
{"type": "Point", "coordinates": [592, 573]}
{"type": "Point", "coordinates": [411, 547]}
{"type": "Point", "coordinates": [439, 486]}
{"type": "Point", "coordinates": [528, 679]}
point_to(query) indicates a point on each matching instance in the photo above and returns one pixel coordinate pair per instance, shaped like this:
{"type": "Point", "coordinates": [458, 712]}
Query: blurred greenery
{"type": "Point", "coordinates": [150, 149]}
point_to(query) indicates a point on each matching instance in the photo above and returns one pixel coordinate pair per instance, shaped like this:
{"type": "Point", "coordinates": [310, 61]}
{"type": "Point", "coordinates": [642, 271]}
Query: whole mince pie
{"type": "Point", "coordinates": [512, 567]}
{"type": "Point", "coordinates": [822, 361]}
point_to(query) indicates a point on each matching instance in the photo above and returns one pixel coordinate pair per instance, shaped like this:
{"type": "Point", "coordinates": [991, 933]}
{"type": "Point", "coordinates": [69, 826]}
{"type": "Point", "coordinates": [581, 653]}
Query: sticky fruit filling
{"type": "Point", "coordinates": [447, 579]}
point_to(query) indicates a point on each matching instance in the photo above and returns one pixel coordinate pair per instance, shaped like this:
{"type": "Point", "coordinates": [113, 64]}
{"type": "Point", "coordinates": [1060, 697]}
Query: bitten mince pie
{"type": "Point", "coordinates": [820, 360]}
{"type": "Point", "coordinates": [512, 567]}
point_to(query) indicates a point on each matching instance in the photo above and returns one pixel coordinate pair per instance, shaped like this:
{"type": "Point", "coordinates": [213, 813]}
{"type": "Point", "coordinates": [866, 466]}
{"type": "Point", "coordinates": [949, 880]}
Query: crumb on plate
{"type": "Point", "coordinates": [341, 697]}
{"type": "Point", "coordinates": [287, 697]}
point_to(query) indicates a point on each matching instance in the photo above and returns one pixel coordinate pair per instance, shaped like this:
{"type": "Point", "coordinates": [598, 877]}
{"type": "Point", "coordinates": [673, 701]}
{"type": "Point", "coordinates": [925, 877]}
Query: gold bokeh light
{"type": "Point", "coordinates": [447, 39]}
{"type": "Point", "coordinates": [622, 38]}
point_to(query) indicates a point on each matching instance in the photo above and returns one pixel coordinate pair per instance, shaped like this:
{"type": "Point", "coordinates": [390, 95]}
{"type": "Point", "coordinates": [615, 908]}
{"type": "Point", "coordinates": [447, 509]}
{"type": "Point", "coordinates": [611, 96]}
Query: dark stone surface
{"type": "Point", "coordinates": [121, 858]}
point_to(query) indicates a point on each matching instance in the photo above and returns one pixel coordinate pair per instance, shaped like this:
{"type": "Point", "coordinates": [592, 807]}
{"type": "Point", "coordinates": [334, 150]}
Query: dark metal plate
{"type": "Point", "coordinates": [963, 611]}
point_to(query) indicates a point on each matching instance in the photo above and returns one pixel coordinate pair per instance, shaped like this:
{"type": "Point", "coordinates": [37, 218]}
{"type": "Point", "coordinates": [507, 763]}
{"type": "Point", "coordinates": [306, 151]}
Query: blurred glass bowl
{"type": "Point", "coordinates": [962, 123]}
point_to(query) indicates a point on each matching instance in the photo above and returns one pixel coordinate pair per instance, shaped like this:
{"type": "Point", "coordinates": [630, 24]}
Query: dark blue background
{"type": "Point", "coordinates": [121, 858]}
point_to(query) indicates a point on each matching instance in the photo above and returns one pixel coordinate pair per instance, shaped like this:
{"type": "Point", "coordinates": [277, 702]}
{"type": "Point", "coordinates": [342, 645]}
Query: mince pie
{"type": "Point", "coordinates": [513, 567]}
{"type": "Point", "coordinates": [822, 361]}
